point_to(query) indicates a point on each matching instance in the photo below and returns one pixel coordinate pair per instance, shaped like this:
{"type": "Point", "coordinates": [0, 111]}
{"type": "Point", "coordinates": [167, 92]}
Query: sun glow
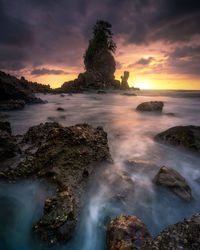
{"type": "Point", "coordinates": [142, 84]}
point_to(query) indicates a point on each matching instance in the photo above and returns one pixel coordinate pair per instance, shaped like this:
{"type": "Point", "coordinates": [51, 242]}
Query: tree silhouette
{"type": "Point", "coordinates": [102, 39]}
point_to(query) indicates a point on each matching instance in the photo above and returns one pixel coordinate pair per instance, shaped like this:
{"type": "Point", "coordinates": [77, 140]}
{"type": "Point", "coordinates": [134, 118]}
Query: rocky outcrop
{"type": "Point", "coordinates": [150, 106]}
{"type": "Point", "coordinates": [124, 82]}
{"type": "Point", "coordinates": [183, 137]}
{"type": "Point", "coordinates": [126, 232]}
{"type": "Point", "coordinates": [66, 157]}
{"type": "Point", "coordinates": [182, 235]}
{"type": "Point", "coordinates": [14, 93]}
{"type": "Point", "coordinates": [168, 177]}
{"type": "Point", "coordinates": [8, 143]}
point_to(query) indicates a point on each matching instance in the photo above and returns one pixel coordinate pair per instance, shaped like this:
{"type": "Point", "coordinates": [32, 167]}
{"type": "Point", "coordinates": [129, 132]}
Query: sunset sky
{"type": "Point", "coordinates": [158, 41]}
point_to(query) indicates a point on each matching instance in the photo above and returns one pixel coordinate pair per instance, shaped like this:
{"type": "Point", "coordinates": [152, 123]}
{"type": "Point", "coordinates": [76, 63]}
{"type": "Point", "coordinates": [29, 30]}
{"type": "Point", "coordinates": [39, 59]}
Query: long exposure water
{"type": "Point", "coordinates": [130, 137]}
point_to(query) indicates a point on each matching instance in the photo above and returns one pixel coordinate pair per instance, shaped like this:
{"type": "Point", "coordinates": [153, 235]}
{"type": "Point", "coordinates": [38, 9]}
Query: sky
{"type": "Point", "coordinates": [158, 41]}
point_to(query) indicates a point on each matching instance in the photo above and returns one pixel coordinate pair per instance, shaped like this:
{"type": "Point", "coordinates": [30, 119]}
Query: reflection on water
{"type": "Point", "coordinates": [130, 136]}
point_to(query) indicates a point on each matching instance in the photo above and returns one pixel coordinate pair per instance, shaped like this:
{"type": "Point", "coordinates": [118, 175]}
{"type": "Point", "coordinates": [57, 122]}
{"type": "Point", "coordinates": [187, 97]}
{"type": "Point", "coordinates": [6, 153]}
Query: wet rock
{"type": "Point", "coordinates": [101, 92]}
{"type": "Point", "coordinates": [12, 105]}
{"type": "Point", "coordinates": [129, 94]}
{"type": "Point", "coordinates": [58, 221]}
{"type": "Point", "coordinates": [8, 144]}
{"type": "Point", "coordinates": [3, 116]}
{"type": "Point", "coordinates": [67, 157]}
{"type": "Point", "coordinates": [171, 179]}
{"type": "Point", "coordinates": [182, 235]}
{"type": "Point", "coordinates": [62, 95]}
{"type": "Point", "coordinates": [36, 135]}
{"type": "Point", "coordinates": [127, 232]}
{"type": "Point", "coordinates": [150, 106]}
{"type": "Point", "coordinates": [185, 137]}
{"type": "Point", "coordinates": [5, 126]}
{"type": "Point", "coordinates": [60, 109]}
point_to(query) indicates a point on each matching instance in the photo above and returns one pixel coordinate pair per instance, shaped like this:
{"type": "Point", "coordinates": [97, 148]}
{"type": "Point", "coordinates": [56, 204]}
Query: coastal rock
{"type": "Point", "coordinates": [124, 83]}
{"type": "Point", "coordinates": [129, 94]}
{"type": "Point", "coordinates": [171, 179]}
{"type": "Point", "coordinates": [8, 144]}
{"type": "Point", "coordinates": [150, 106]}
{"type": "Point", "coordinates": [37, 135]}
{"type": "Point", "coordinates": [67, 157]}
{"type": "Point", "coordinates": [58, 221]}
{"type": "Point", "coordinates": [182, 235]}
{"type": "Point", "coordinates": [3, 116]}
{"type": "Point", "coordinates": [14, 93]}
{"type": "Point", "coordinates": [185, 137]}
{"type": "Point", "coordinates": [127, 232]}
{"type": "Point", "coordinates": [60, 109]}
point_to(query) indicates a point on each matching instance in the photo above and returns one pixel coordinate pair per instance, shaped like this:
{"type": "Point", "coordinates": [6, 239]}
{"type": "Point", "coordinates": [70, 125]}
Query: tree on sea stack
{"type": "Point", "coordinates": [102, 40]}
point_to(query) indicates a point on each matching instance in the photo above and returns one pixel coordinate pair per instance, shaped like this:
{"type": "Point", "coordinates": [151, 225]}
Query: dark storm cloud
{"type": "Point", "coordinates": [45, 71]}
{"type": "Point", "coordinates": [37, 33]}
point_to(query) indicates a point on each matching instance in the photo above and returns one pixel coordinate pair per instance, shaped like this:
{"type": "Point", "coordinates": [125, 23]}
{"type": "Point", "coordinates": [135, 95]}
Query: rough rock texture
{"type": "Point", "coordinates": [171, 179]}
{"type": "Point", "coordinates": [67, 157]}
{"type": "Point", "coordinates": [124, 231]}
{"type": "Point", "coordinates": [3, 116]}
{"type": "Point", "coordinates": [150, 106]}
{"type": "Point", "coordinates": [8, 144]}
{"type": "Point", "coordinates": [124, 83]}
{"type": "Point", "coordinates": [59, 220]}
{"type": "Point", "coordinates": [185, 137]}
{"type": "Point", "coordinates": [182, 235]}
{"type": "Point", "coordinates": [14, 93]}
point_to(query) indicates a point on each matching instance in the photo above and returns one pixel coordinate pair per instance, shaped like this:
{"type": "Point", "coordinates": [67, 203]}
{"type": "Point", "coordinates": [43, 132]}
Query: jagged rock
{"type": "Point", "coordinates": [8, 144]}
{"type": "Point", "coordinates": [186, 137]}
{"type": "Point", "coordinates": [124, 83]}
{"type": "Point", "coordinates": [59, 220]}
{"type": "Point", "coordinates": [66, 157]}
{"type": "Point", "coordinates": [14, 93]}
{"type": "Point", "coordinates": [37, 135]}
{"type": "Point", "coordinates": [127, 232]}
{"type": "Point", "coordinates": [171, 179]}
{"type": "Point", "coordinates": [150, 106]}
{"type": "Point", "coordinates": [182, 235]}
{"type": "Point", "coordinates": [101, 92]}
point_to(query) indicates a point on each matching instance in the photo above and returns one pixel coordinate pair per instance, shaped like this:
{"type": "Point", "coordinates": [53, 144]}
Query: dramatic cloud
{"type": "Point", "coordinates": [41, 34]}
{"type": "Point", "coordinates": [45, 71]}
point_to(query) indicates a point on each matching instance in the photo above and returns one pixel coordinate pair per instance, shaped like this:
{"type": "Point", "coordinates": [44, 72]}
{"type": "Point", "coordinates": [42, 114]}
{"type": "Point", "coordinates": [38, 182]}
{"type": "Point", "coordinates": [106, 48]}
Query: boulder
{"type": "Point", "coordinates": [182, 235]}
{"type": "Point", "coordinates": [129, 94]}
{"type": "Point", "coordinates": [150, 106]}
{"type": "Point", "coordinates": [60, 109]}
{"type": "Point", "coordinates": [12, 105]}
{"type": "Point", "coordinates": [58, 221]}
{"type": "Point", "coordinates": [5, 126]}
{"type": "Point", "coordinates": [127, 232]}
{"type": "Point", "coordinates": [168, 177]}
{"type": "Point", "coordinates": [185, 137]}
{"type": "Point", "coordinates": [3, 116]}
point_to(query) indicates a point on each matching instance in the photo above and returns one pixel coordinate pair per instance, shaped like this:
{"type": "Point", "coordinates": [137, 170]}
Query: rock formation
{"type": "Point", "coordinates": [183, 137]}
{"type": "Point", "coordinates": [14, 94]}
{"type": "Point", "coordinates": [127, 232]}
{"type": "Point", "coordinates": [66, 157]}
{"type": "Point", "coordinates": [124, 83]}
{"type": "Point", "coordinates": [150, 106]}
{"type": "Point", "coordinates": [168, 177]}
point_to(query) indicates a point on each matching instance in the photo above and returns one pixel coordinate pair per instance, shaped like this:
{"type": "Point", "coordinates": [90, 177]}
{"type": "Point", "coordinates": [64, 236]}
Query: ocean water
{"type": "Point", "coordinates": [130, 137]}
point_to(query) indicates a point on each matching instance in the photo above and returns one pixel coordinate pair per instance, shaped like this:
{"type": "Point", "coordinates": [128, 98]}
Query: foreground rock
{"type": "Point", "coordinates": [124, 231]}
{"type": "Point", "coordinates": [66, 157]}
{"type": "Point", "coordinates": [150, 106]}
{"type": "Point", "coordinates": [182, 235]}
{"type": "Point", "coordinates": [128, 232]}
{"type": "Point", "coordinates": [171, 179]}
{"type": "Point", "coordinates": [185, 137]}
{"type": "Point", "coordinates": [14, 93]}
{"type": "Point", "coordinates": [8, 143]}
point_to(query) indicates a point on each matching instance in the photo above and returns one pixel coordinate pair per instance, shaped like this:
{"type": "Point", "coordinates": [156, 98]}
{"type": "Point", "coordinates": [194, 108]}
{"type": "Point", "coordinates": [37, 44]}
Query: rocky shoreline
{"type": "Point", "coordinates": [68, 157]}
